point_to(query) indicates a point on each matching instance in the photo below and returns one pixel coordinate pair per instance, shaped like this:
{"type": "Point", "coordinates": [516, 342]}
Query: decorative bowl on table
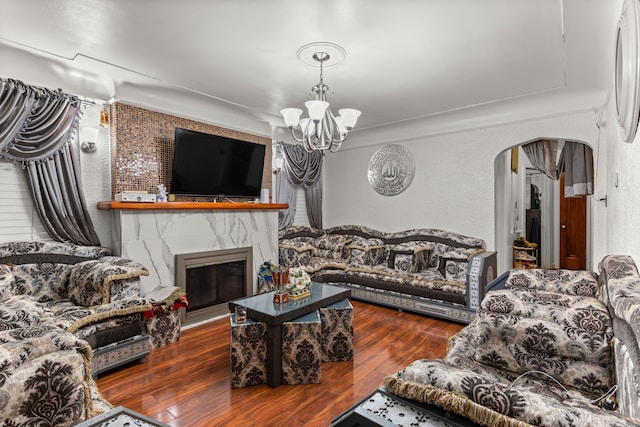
{"type": "Point", "coordinates": [299, 285]}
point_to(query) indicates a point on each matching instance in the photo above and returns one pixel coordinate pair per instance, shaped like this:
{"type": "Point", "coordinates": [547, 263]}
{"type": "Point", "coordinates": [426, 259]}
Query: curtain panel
{"type": "Point", "coordinates": [542, 155]}
{"type": "Point", "coordinates": [576, 162]}
{"type": "Point", "coordinates": [301, 169]}
{"type": "Point", "coordinates": [36, 128]}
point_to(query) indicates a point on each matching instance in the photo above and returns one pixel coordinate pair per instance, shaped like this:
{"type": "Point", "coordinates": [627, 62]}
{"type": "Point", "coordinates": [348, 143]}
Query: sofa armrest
{"type": "Point", "coordinates": [94, 282]}
{"type": "Point", "coordinates": [294, 253]}
{"type": "Point", "coordinates": [44, 365]}
{"type": "Point", "coordinates": [481, 271]}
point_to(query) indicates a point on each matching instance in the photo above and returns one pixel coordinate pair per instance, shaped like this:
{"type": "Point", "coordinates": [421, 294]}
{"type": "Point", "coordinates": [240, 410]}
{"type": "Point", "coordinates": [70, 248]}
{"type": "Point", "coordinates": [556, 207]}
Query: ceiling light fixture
{"type": "Point", "coordinates": [321, 130]}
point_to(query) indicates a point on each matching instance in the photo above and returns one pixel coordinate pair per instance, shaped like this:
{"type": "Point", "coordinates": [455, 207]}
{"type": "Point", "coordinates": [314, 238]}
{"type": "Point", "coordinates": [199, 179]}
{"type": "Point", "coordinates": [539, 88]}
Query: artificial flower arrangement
{"type": "Point", "coordinates": [299, 285]}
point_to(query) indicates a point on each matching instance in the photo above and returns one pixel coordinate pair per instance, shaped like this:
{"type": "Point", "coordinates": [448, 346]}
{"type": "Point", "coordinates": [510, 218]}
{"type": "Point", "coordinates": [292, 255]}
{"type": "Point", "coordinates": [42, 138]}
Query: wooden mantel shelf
{"type": "Point", "coordinates": [108, 206]}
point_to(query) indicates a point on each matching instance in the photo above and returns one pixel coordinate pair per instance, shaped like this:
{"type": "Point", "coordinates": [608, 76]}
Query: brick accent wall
{"type": "Point", "coordinates": [142, 148]}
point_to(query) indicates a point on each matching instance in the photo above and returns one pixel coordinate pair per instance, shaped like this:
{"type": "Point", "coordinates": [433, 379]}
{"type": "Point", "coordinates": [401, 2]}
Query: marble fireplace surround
{"type": "Point", "coordinates": [153, 233]}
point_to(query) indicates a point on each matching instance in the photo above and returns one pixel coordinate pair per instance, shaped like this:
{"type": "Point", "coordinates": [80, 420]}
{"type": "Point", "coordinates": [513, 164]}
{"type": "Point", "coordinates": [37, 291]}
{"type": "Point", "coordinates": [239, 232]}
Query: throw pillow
{"type": "Point", "coordinates": [334, 242]}
{"type": "Point", "coordinates": [365, 251]}
{"type": "Point", "coordinates": [331, 246]}
{"type": "Point", "coordinates": [411, 257]}
{"type": "Point", "coordinates": [90, 281]}
{"type": "Point", "coordinates": [453, 265]}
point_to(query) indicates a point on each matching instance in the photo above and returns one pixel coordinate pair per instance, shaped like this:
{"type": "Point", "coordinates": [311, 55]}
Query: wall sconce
{"type": "Point", "coordinates": [104, 117]}
{"type": "Point", "coordinates": [90, 136]}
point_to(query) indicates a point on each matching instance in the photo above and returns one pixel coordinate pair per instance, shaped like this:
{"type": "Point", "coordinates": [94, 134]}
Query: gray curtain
{"type": "Point", "coordinates": [542, 155]}
{"type": "Point", "coordinates": [300, 169]}
{"type": "Point", "coordinates": [576, 161]}
{"type": "Point", "coordinates": [36, 127]}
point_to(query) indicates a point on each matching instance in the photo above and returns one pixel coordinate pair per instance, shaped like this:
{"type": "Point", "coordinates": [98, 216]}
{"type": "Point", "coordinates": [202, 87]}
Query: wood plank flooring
{"type": "Point", "coordinates": [187, 384]}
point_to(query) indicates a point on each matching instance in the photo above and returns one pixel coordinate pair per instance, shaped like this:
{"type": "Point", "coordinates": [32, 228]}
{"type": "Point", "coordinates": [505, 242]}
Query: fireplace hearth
{"type": "Point", "coordinates": [213, 278]}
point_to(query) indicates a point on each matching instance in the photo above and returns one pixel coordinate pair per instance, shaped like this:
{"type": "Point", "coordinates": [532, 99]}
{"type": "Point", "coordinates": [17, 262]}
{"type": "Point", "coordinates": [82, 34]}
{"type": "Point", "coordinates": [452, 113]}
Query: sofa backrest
{"type": "Point", "coordinates": [297, 231]}
{"type": "Point", "coordinates": [49, 252]}
{"type": "Point", "coordinates": [442, 244]}
{"type": "Point", "coordinates": [42, 269]}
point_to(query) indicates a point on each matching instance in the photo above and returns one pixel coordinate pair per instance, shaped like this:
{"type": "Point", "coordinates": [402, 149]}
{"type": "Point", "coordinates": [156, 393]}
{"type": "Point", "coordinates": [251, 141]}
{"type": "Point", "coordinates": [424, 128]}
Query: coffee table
{"type": "Point", "coordinates": [262, 308]}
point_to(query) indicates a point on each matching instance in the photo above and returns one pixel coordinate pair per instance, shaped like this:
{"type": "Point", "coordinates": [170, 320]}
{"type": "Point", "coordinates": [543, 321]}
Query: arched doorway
{"type": "Point", "coordinates": [529, 204]}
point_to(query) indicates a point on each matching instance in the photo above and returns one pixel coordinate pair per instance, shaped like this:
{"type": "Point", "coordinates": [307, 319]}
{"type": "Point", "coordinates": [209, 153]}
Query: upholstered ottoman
{"type": "Point", "coordinates": [301, 350]}
{"type": "Point", "coordinates": [337, 332]}
{"type": "Point", "coordinates": [248, 352]}
{"type": "Point", "coordinates": [164, 328]}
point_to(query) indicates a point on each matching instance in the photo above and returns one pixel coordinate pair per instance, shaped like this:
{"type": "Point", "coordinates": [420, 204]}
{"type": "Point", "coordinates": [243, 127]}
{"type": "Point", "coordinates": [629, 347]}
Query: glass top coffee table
{"type": "Point", "coordinates": [262, 308]}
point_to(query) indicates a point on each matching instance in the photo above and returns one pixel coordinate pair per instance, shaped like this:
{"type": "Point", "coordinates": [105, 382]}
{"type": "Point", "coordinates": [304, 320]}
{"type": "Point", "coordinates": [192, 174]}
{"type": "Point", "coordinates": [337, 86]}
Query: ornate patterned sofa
{"type": "Point", "coordinates": [66, 312]}
{"type": "Point", "coordinates": [429, 271]}
{"type": "Point", "coordinates": [555, 347]}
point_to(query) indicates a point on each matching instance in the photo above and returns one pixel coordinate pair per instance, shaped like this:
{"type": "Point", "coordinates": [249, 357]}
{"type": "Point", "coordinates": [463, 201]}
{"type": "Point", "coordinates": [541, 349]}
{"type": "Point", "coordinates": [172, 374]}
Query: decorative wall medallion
{"type": "Point", "coordinates": [627, 70]}
{"type": "Point", "coordinates": [391, 170]}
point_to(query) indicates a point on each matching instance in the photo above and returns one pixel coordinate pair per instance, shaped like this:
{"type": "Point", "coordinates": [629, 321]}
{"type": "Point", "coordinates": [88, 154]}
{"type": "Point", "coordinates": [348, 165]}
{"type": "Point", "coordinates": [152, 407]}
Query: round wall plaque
{"type": "Point", "coordinates": [391, 170]}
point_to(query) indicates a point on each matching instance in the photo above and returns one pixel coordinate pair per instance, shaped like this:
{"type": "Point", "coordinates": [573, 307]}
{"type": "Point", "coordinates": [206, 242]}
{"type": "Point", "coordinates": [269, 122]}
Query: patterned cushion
{"type": "Point", "coordinates": [565, 336]}
{"type": "Point", "coordinates": [366, 251]}
{"type": "Point", "coordinates": [90, 281]}
{"type": "Point", "coordinates": [43, 281]}
{"type": "Point", "coordinates": [333, 242]}
{"type": "Point", "coordinates": [331, 246]}
{"type": "Point", "coordinates": [572, 282]}
{"type": "Point", "coordinates": [411, 257]}
{"type": "Point", "coordinates": [294, 253]}
{"type": "Point", "coordinates": [453, 266]}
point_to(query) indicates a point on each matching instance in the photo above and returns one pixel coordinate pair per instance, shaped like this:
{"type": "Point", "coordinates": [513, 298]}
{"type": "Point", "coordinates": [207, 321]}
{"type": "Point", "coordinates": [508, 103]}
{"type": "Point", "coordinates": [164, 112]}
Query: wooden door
{"type": "Point", "coordinates": [573, 231]}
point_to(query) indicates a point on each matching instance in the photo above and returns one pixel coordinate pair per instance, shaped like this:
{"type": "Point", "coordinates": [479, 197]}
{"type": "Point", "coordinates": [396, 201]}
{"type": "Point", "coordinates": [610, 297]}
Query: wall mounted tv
{"type": "Point", "coordinates": [215, 166]}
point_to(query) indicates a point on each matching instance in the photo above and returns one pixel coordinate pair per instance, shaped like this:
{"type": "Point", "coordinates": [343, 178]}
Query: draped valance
{"type": "Point", "coordinates": [301, 169]}
{"type": "Point", "coordinates": [35, 123]}
{"type": "Point", "coordinates": [36, 129]}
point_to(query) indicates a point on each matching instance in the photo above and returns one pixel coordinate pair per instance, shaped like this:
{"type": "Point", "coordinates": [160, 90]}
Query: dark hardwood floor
{"type": "Point", "coordinates": [188, 384]}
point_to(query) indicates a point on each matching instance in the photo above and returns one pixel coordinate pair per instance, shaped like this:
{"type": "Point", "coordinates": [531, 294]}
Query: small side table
{"type": "Point", "coordinates": [121, 417]}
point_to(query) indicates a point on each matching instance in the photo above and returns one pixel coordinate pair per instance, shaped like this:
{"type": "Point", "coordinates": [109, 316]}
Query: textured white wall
{"type": "Point", "coordinates": [96, 172]}
{"type": "Point", "coordinates": [621, 235]}
{"type": "Point", "coordinates": [453, 188]}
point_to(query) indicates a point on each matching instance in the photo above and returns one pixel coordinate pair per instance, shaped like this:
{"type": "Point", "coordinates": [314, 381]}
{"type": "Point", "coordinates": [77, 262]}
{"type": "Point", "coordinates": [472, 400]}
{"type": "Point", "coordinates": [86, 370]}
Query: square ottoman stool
{"type": "Point", "coordinates": [248, 352]}
{"type": "Point", "coordinates": [164, 328]}
{"type": "Point", "coordinates": [301, 351]}
{"type": "Point", "coordinates": [337, 332]}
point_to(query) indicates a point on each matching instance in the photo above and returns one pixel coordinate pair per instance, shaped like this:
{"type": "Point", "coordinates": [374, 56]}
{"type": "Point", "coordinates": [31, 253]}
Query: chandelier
{"type": "Point", "coordinates": [321, 130]}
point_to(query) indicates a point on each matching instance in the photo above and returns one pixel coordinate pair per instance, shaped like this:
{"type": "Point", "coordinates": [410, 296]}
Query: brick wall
{"type": "Point", "coordinates": [142, 148]}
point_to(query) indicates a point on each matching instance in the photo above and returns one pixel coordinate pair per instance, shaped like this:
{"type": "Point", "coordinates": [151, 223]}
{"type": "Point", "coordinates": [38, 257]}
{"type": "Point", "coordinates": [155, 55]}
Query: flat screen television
{"type": "Point", "coordinates": [215, 166]}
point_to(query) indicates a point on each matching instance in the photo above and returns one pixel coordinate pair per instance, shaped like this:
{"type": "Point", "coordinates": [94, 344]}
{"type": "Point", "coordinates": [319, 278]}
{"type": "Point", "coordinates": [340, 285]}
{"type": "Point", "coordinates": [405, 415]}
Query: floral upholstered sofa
{"type": "Point", "coordinates": [554, 348]}
{"type": "Point", "coordinates": [429, 271]}
{"type": "Point", "coordinates": [65, 312]}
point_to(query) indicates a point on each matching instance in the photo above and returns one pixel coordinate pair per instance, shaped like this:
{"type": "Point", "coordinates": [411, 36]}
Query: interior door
{"type": "Point", "coordinates": [573, 231]}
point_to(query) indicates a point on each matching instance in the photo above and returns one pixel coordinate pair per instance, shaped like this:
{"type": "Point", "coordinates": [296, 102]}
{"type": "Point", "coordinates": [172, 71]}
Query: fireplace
{"type": "Point", "coordinates": [213, 278]}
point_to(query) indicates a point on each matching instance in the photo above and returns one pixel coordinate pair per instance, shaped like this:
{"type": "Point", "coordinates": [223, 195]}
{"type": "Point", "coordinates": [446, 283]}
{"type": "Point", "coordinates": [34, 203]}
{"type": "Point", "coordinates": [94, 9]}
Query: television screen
{"type": "Point", "coordinates": [211, 165]}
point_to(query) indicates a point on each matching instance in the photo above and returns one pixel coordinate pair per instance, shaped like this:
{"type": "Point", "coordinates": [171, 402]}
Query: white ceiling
{"type": "Point", "coordinates": [406, 59]}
